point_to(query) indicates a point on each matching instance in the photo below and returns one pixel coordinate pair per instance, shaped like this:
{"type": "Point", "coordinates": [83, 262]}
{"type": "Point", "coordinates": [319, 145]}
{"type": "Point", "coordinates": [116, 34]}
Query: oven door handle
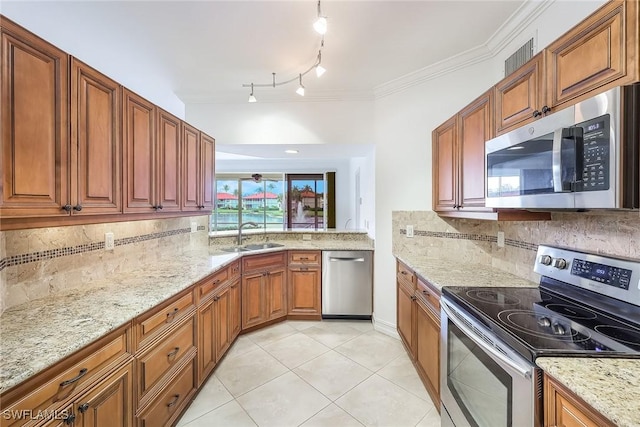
{"type": "Point", "coordinates": [525, 372]}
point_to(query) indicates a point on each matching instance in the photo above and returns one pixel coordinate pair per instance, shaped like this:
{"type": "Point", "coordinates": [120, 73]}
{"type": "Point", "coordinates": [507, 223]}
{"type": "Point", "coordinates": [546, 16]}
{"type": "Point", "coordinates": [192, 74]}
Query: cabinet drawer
{"type": "Point", "coordinates": [155, 321]}
{"type": "Point", "coordinates": [164, 355]}
{"type": "Point", "coordinates": [406, 276]}
{"type": "Point", "coordinates": [212, 283]}
{"type": "Point", "coordinates": [304, 257]}
{"type": "Point", "coordinates": [263, 262]}
{"type": "Point", "coordinates": [429, 295]}
{"type": "Point", "coordinates": [35, 396]}
{"type": "Point", "coordinates": [168, 405]}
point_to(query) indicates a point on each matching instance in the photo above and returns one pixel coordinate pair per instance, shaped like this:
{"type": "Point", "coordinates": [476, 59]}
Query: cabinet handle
{"type": "Point", "coordinates": [536, 114]}
{"type": "Point", "coordinates": [77, 208]}
{"type": "Point", "coordinates": [173, 401]}
{"type": "Point", "coordinates": [156, 207]}
{"type": "Point", "coordinates": [215, 282]}
{"type": "Point", "coordinates": [304, 268]}
{"type": "Point", "coordinates": [216, 298]}
{"type": "Point", "coordinates": [173, 352]}
{"type": "Point", "coordinates": [70, 419]}
{"type": "Point", "coordinates": [171, 315]}
{"type": "Point", "coordinates": [81, 374]}
{"type": "Point", "coordinates": [545, 109]}
{"type": "Point", "coordinates": [200, 206]}
{"type": "Point", "coordinates": [66, 208]}
{"type": "Point", "coordinates": [304, 258]}
{"type": "Point", "coordinates": [83, 408]}
{"type": "Point", "coordinates": [404, 273]}
{"type": "Point", "coordinates": [413, 298]}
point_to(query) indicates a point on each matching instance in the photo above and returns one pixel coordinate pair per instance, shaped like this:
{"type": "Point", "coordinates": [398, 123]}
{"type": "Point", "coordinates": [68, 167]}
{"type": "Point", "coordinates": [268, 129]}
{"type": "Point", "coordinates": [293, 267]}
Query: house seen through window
{"type": "Point", "coordinates": [272, 201]}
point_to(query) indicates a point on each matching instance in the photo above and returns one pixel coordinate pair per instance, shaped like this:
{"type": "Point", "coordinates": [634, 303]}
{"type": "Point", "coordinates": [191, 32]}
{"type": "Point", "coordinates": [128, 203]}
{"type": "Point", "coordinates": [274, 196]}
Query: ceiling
{"type": "Point", "coordinates": [206, 50]}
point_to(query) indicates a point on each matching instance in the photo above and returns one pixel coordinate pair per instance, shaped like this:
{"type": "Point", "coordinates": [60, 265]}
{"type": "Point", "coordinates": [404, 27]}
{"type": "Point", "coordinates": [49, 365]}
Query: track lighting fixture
{"type": "Point", "coordinates": [251, 97]}
{"type": "Point", "coordinates": [320, 25]}
{"type": "Point", "coordinates": [300, 90]}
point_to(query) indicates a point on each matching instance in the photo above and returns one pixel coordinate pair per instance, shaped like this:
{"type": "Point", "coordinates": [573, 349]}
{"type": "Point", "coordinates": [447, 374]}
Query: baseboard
{"type": "Point", "coordinates": [385, 327]}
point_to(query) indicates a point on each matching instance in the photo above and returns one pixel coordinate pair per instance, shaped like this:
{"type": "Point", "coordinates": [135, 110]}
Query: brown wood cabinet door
{"type": "Point", "coordinates": [235, 309]}
{"type": "Point", "coordinates": [223, 329]}
{"type": "Point", "coordinates": [563, 409]}
{"type": "Point", "coordinates": [138, 123]}
{"type": "Point", "coordinates": [593, 53]}
{"type": "Point", "coordinates": [475, 127]}
{"type": "Point", "coordinates": [35, 128]}
{"type": "Point", "coordinates": [304, 290]}
{"type": "Point", "coordinates": [518, 95]}
{"type": "Point", "coordinates": [405, 317]}
{"type": "Point", "coordinates": [190, 168]}
{"type": "Point", "coordinates": [208, 150]}
{"type": "Point", "coordinates": [206, 340]}
{"type": "Point", "coordinates": [428, 349]}
{"type": "Point", "coordinates": [445, 170]}
{"type": "Point", "coordinates": [168, 157]}
{"type": "Point", "coordinates": [276, 294]}
{"type": "Point", "coordinates": [109, 404]}
{"type": "Point", "coordinates": [253, 300]}
{"type": "Point", "coordinates": [96, 155]}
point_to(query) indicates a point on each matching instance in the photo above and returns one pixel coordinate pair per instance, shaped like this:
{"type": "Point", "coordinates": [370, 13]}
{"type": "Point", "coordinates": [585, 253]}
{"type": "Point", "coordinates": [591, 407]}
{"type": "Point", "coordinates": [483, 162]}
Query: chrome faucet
{"type": "Point", "coordinates": [240, 230]}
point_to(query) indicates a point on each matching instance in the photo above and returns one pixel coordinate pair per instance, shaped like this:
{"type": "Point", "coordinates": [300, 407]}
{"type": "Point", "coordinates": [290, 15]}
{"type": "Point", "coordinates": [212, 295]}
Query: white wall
{"type": "Point", "coordinates": [95, 38]}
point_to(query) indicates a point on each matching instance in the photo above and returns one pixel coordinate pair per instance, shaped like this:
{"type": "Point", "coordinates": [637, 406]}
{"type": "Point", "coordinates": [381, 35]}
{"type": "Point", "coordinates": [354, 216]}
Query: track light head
{"type": "Point", "coordinates": [320, 25]}
{"type": "Point", "coordinates": [251, 97]}
{"type": "Point", "coordinates": [300, 90]}
{"type": "Point", "coordinates": [320, 70]}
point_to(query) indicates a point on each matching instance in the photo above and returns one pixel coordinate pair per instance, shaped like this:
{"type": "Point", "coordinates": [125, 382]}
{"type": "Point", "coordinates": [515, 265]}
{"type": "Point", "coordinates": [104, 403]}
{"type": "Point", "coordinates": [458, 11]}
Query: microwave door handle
{"type": "Point", "coordinates": [556, 158]}
{"type": "Point", "coordinates": [578, 137]}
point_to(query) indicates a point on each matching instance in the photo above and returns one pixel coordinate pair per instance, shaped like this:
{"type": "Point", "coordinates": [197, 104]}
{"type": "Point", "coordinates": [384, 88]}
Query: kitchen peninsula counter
{"type": "Point", "coordinates": [42, 332]}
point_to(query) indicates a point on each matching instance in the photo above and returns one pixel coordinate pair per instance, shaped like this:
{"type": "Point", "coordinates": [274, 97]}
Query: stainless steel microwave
{"type": "Point", "coordinates": [582, 157]}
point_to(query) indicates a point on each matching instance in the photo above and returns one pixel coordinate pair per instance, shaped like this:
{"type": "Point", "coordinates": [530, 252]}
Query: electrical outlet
{"type": "Point", "coordinates": [109, 242]}
{"type": "Point", "coordinates": [409, 230]}
{"type": "Point", "coordinates": [501, 239]}
{"type": "Point", "coordinates": [306, 237]}
{"type": "Point", "coordinates": [194, 226]}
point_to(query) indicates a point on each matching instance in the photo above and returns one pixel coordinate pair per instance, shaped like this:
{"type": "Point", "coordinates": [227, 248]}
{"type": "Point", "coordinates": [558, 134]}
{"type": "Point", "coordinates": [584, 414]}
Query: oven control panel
{"type": "Point", "coordinates": [617, 278]}
{"type": "Point", "coordinates": [602, 273]}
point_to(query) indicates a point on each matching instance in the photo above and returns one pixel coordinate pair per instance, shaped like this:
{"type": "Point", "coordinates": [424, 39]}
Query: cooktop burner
{"type": "Point", "coordinates": [542, 322]}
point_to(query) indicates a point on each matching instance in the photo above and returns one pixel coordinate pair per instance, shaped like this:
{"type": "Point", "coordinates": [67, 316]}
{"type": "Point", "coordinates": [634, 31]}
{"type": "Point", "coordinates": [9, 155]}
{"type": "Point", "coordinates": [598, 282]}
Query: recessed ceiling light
{"type": "Point", "coordinates": [291, 151]}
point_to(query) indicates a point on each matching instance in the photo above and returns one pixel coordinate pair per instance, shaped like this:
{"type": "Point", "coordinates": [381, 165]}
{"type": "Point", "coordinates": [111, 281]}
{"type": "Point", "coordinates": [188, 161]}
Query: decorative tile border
{"type": "Point", "coordinates": [475, 237]}
{"type": "Point", "coordinates": [88, 247]}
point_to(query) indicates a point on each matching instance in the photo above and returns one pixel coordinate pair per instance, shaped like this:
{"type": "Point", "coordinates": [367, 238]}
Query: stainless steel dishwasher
{"type": "Point", "coordinates": [347, 284]}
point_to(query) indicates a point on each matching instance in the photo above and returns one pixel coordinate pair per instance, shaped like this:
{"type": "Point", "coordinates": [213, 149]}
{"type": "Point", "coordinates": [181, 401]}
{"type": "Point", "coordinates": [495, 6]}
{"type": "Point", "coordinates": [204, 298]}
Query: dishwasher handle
{"type": "Point", "coordinates": [335, 259]}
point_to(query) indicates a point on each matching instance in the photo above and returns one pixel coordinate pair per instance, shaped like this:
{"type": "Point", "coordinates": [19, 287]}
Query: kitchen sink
{"type": "Point", "coordinates": [258, 246]}
{"type": "Point", "coordinates": [252, 247]}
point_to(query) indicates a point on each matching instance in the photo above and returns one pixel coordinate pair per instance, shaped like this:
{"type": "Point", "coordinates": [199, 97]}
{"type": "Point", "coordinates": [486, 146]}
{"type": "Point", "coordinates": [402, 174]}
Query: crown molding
{"type": "Point", "coordinates": [511, 28]}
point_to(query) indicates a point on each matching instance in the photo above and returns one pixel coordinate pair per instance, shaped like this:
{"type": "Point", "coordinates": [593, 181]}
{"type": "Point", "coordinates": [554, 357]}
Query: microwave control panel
{"type": "Point", "coordinates": [595, 175]}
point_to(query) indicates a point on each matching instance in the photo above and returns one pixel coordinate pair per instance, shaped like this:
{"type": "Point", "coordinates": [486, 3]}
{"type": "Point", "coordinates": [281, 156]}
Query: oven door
{"type": "Point", "coordinates": [483, 384]}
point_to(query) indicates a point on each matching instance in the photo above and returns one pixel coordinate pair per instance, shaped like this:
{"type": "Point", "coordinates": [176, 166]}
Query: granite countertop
{"type": "Point", "coordinates": [442, 272]}
{"type": "Point", "coordinates": [610, 386]}
{"type": "Point", "coordinates": [42, 332]}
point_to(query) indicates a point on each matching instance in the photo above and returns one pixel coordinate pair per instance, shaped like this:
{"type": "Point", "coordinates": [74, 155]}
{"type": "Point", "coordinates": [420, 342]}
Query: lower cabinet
{"type": "Point", "coordinates": [264, 290]}
{"type": "Point", "coordinates": [165, 409]}
{"type": "Point", "coordinates": [418, 323]}
{"type": "Point", "coordinates": [563, 409]}
{"type": "Point", "coordinates": [304, 281]}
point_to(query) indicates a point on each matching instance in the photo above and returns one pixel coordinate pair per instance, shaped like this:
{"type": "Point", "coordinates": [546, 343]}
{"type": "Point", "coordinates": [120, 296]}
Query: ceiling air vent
{"type": "Point", "coordinates": [518, 58]}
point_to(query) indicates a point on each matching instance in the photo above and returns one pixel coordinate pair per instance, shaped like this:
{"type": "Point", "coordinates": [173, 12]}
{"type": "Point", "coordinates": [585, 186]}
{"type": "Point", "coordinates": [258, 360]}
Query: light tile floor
{"type": "Point", "coordinates": [314, 374]}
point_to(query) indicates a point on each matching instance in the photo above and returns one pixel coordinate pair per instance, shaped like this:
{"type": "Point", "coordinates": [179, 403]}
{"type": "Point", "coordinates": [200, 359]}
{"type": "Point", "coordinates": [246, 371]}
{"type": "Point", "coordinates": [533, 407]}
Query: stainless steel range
{"type": "Point", "coordinates": [586, 305]}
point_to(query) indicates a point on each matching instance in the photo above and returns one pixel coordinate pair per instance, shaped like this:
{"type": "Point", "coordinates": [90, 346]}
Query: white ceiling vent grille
{"type": "Point", "coordinates": [518, 58]}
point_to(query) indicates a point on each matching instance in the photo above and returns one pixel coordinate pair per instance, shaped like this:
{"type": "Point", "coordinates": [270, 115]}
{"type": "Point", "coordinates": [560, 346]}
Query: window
{"type": "Point", "coordinates": [272, 201]}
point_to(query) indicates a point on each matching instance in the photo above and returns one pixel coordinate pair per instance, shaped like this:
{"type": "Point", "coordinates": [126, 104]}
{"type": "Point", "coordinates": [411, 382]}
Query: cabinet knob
{"type": "Point", "coordinates": [83, 408]}
{"type": "Point", "coordinates": [545, 109]}
{"type": "Point", "coordinates": [413, 298]}
{"type": "Point", "coordinates": [159, 206]}
{"type": "Point", "coordinates": [77, 208]}
{"type": "Point", "coordinates": [173, 401]}
{"type": "Point", "coordinates": [66, 208]}
{"type": "Point", "coordinates": [537, 114]}
{"type": "Point", "coordinates": [70, 419]}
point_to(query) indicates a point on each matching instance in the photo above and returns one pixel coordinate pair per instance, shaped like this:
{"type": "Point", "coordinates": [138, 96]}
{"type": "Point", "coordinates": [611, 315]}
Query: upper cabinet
{"type": "Point", "coordinates": [599, 53]}
{"type": "Point", "coordinates": [35, 126]}
{"type": "Point", "coordinates": [96, 145]}
{"type": "Point", "coordinates": [79, 148]}
{"type": "Point", "coordinates": [198, 170]}
{"type": "Point", "coordinates": [519, 97]}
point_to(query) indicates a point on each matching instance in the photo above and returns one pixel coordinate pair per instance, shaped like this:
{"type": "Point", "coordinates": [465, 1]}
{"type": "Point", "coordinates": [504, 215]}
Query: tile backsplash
{"type": "Point", "coordinates": [39, 262]}
{"type": "Point", "coordinates": [614, 233]}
